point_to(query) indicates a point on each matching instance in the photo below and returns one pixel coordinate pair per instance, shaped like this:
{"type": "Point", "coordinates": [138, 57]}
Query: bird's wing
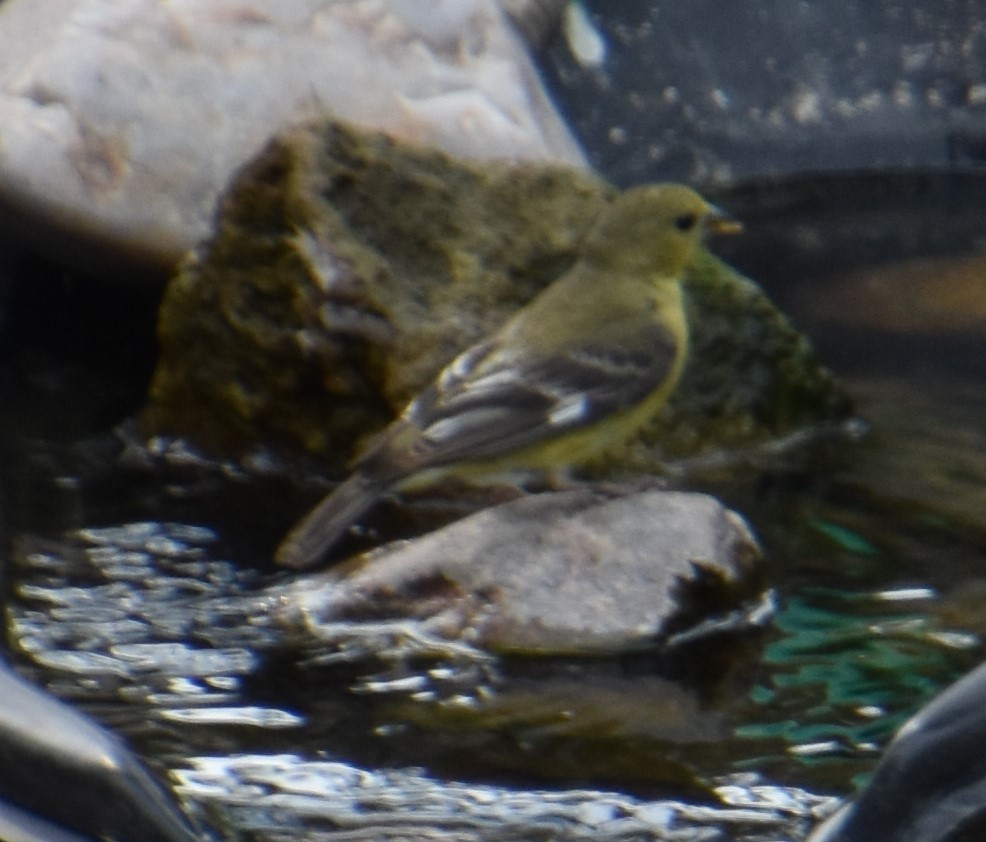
{"type": "Point", "coordinates": [487, 403]}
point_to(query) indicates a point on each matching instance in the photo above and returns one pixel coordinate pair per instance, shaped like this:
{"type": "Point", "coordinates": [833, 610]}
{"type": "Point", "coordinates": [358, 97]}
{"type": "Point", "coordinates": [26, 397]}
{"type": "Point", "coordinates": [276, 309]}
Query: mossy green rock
{"type": "Point", "coordinates": [347, 269]}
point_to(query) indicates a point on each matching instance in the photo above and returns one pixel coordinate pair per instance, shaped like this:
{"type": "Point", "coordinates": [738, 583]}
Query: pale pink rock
{"type": "Point", "coordinates": [122, 122]}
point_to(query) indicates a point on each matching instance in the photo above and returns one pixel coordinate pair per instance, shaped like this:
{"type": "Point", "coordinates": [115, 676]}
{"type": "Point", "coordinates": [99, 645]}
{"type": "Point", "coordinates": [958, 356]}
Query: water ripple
{"type": "Point", "coordinates": [332, 800]}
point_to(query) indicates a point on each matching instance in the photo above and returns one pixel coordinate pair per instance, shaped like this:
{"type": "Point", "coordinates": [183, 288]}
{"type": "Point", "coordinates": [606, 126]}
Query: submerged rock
{"type": "Point", "coordinates": [347, 269]}
{"type": "Point", "coordinates": [123, 122]}
{"type": "Point", "coordinates": [64, 778]}
{"type": "Point", "coordinates": [572, 572]}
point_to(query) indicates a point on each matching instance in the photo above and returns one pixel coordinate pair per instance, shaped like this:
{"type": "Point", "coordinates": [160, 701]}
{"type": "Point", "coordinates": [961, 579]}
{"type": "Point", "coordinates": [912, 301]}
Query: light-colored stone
{"type": "Point", "coordinates": [570, 572]}
{"type": "Point", "coordinates": [121, 122]}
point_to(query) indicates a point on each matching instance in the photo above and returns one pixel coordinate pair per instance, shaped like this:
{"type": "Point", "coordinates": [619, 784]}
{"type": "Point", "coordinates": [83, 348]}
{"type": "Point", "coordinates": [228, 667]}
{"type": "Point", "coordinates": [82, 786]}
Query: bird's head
{"type": "Point", "coordinates": [655, 228]}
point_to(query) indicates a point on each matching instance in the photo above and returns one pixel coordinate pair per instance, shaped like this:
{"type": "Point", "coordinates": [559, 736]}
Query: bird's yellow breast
{"type": "Point", "coordinates": [606, 434]}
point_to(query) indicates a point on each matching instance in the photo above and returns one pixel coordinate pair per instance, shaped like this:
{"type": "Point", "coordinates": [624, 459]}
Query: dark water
{"type": "Point", "coordinates": [135, 580]}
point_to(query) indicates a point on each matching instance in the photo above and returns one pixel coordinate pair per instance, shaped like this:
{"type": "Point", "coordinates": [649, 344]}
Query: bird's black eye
{"type": "Point", "coordinates": [685, 222]}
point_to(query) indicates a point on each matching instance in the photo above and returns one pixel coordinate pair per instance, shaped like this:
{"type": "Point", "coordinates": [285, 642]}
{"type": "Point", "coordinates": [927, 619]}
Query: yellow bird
{"type": "Point", "coordinates": [574, 373]}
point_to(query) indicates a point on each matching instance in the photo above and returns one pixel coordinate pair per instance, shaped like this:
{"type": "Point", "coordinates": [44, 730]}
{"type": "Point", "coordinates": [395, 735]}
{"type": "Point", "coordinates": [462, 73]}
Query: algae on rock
{"type": "Point", "coordinates": [347, 269]}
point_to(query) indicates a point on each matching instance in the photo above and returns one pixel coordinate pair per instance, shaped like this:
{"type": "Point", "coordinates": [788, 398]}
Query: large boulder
{"type": "Point", "coordinates": [347, 269]}
{"type": "Point", "coordinates": [123, 122]}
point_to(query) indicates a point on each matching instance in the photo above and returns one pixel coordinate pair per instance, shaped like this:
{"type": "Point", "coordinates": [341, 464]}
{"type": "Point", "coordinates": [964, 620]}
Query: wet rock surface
{"type": "Point", "coordinates": [348, 269]}
{"type": "Point", "coordinates": [574, 572]}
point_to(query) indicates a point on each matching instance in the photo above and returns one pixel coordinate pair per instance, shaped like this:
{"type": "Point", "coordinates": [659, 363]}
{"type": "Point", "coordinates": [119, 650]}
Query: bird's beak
{"type": "Point", "coordinates": [719, 222]}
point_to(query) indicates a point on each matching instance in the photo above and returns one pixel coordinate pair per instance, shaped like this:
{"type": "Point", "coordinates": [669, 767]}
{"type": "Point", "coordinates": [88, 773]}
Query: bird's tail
{"type": "Point", "coordinates": [311, 538]}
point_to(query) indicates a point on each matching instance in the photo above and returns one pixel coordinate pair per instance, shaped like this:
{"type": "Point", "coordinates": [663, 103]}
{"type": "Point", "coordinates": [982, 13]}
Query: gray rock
{"type": "Point", "coordinates": [572, 572]}
{"type": "Point", "coordinates": [122, 122]}
{"type": "Point", "coordinates": [63, 775]}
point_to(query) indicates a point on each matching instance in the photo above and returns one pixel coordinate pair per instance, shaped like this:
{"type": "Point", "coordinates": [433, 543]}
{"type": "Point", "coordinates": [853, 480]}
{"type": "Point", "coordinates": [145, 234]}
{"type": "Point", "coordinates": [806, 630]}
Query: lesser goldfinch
{"type": "Point", "coordinates": [575, 372]}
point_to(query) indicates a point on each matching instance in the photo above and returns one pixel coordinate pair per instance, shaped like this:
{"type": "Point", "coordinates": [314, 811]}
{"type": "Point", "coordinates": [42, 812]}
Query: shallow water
{"type": "Point", "coordinates": [135, 580]}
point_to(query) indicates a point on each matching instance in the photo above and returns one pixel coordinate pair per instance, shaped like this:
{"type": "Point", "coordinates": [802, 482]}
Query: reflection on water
{"type": "Point", "coordinates": [331, 800]}
{"type": "Point", "coordinates": [140, 588]}
{"type": "Point", "coordinates": [847, 669]}
{"type": "Point", "coordinates": [138, 600]}
{"type": "Point", "coordinates": [140, 624]}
